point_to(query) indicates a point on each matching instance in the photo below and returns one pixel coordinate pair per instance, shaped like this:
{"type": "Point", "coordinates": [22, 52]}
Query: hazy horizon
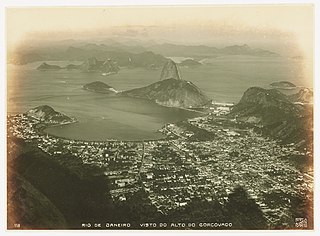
{"type": "Point", "coordinates": [216, 26]}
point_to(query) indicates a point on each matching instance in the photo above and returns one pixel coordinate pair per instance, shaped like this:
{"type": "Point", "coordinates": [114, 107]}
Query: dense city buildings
{"type": "Point", "coordinates": [202, 158]}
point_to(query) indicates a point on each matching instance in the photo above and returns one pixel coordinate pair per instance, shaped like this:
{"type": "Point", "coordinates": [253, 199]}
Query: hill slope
{"type": "Point", "coordinates": [28, 206]}
{"type": "Point", "coordinates": [265, 105]}
{"type": "Point", "coordinates": [47, 114]}
{"type": "Point", "coordinates": [172, 93]}
{"type": "Point", "coordinates": [276, 114]}
{"type": "Point", "coordinates": [99, 87]}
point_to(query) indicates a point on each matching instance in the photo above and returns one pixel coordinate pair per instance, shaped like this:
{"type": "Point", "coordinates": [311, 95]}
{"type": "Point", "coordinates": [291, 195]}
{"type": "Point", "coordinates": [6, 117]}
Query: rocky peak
{"type": "Point", "coordinates": [259, 95]}
{"type": "Point", "coordinates": [170, 71]}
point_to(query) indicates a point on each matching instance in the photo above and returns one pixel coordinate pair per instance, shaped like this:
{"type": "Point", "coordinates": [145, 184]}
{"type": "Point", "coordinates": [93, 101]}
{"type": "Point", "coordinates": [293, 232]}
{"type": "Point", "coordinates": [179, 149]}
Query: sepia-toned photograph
{"type": "Point", "coordinates": [181, 117]}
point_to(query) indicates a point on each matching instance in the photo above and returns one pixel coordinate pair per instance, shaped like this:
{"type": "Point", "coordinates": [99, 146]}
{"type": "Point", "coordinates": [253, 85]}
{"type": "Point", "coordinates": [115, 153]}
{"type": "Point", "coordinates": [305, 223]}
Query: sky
{"type": "Point", "coordinates": [278, 27]}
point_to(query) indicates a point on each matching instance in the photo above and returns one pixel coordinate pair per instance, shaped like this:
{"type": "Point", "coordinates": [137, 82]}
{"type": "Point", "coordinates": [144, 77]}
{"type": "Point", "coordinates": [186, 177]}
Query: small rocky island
{"type": "Point", "coordinates": [283, 85]}
{"type": "Point", "coordinates": [92, 64]}
{"type": "Point", "coordinates": [44, 67]}
{"type": "Point", "coordinates": [100, 87]}
{"type": "Point", "coordinates": [47, 115]}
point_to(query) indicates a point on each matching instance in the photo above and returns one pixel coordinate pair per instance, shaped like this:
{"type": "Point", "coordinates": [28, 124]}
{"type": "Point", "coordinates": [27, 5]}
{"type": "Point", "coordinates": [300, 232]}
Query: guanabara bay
{"type": "Point", "coordinates": [153, 126]}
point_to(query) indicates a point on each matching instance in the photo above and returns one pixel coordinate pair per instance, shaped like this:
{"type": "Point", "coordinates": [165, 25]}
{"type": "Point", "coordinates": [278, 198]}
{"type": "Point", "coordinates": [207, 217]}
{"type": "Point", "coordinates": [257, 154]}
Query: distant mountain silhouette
{"type": "Point", "coordinates": [106, 67]}
{"type": "Point", "coordinates": [246, 50]}
{"type": "Point", "coordinates": [124, 53]}
{"type": "Point", "coordinates": [93, 65]}
{"type": "Point", "coordinates": [189, 62]}
{"type": "Point", "coordinates": [184, 50]}
{"type": "Point", "coordinates": [145, 59]}
{"type": "Point", "coordinates": [44, 66]}
{"type": "Point", "coordinates": [169, 49]}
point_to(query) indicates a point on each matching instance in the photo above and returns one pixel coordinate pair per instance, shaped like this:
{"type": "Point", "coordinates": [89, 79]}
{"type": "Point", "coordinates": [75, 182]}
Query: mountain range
{"type": "Point", "coordinates": [92, 64]}
{"type": "Point", "coordinates": [123, 58]}
{"type": "Point", "coordinates": [202, 50]}
{"type": "Point", "coordinates": [147, 55]}
{"type": "Point", "coordinates": [106, 67]}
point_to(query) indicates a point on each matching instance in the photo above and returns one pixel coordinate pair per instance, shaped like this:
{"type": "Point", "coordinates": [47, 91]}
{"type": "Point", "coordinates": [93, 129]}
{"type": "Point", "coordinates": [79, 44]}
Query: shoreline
{"type": "Point", "coordinates": [119, 94]}
{"type": "Point", "coordinates": [42, 131]}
